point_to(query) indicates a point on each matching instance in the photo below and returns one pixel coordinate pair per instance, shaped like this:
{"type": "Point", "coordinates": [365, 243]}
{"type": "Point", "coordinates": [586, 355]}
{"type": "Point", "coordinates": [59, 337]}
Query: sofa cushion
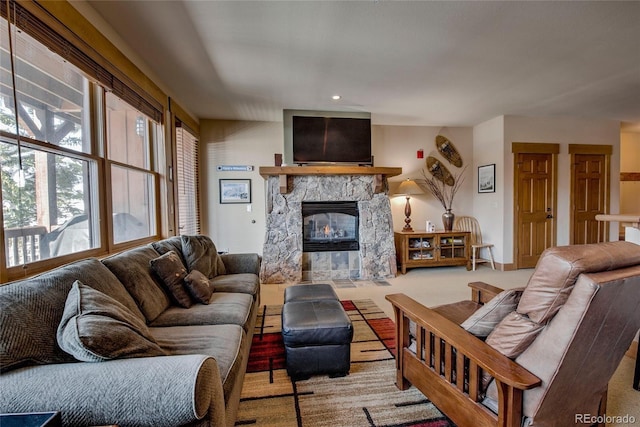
{"type": "Point", "coordinates": [223, 308]}
{"type": "Point", "coordinates": [513, 334]}
{"type": "Point", "coordinates": [201, 254]}
{"type": "Point", "coordinates": [133, 270]}
{"type": "Point", "coordinates": [245, 283]}
{"type": "Point", "coordinates": [171, 272]}
{"type": "Point", "coordinates": [559, 267]}
{"type": "Point", "coordinates": [197, 285]}
{"type": "Point", "coordinates": [31, 309]}
{"type": "Point", "coordinates": [227, 344]}
{"type": "Point", "coordinates": [483, 320]}
{"type": "Point", "coordinates": [96, 327]}
{"type": "Point", "coordinates": [169, 244]}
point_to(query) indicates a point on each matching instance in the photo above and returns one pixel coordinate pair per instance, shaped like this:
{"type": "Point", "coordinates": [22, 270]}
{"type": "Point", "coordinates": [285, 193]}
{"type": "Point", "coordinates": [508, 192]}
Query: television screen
{"type": "Point", "coordinates": [331, 140]}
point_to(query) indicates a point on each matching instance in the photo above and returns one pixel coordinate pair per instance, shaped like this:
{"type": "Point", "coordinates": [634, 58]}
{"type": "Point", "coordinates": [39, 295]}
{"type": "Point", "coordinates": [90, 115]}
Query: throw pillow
{"type": "Point", "coordinates": [514, 334]}
{"type": "Point", "coordinates": [198, 287]}
{"type": "Point", "coordinates": [96, 327]}
{"type": "Point", "coordinates": [171, 273]}
{"type": "Point", "coordinates": [201, 254]}
{"type": "Point", "coordinates": [483, 320]}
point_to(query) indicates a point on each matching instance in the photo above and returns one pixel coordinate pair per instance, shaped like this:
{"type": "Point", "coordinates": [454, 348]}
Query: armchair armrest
{"type": "Point", "coordinates": [161, 391]}
{"type": "Point", "coordinates": [482, 292]}
{"type": "Point", "coordinates": [448, 363]}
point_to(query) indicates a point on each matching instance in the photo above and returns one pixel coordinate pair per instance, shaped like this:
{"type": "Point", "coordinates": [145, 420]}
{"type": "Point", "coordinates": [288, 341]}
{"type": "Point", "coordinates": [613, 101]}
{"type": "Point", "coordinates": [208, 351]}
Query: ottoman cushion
{"type": "Point", "coordinates": [315, 323]}
{"type": "Point", "coordinates": [315, 292]}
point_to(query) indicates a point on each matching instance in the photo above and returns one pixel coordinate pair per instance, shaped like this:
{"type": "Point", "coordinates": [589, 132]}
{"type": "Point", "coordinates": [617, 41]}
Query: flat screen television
{"type": "Point", "coordinates": [329, 138]}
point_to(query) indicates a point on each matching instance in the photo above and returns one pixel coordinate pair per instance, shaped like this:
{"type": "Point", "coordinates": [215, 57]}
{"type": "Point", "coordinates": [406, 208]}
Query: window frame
{"type": "Point", "coordinates": [67, 31]}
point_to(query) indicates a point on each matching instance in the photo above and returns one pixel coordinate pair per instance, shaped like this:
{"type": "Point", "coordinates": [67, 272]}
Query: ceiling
{"type": "Point", "coordinates": [439, 63]}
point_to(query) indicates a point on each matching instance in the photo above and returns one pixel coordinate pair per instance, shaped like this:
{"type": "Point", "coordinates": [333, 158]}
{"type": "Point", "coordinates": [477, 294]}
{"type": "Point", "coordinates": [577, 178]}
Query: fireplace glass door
{"type": "Point", "coordinates": [330, 226]}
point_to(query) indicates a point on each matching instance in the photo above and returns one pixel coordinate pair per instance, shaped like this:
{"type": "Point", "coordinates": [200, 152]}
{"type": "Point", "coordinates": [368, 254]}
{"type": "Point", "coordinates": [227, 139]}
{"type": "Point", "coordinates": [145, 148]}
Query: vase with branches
{"type": "Point", "coordinates": [444, 193]}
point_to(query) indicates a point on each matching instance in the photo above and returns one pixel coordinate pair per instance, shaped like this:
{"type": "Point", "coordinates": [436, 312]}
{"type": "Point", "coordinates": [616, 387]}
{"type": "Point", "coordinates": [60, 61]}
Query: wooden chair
{"type": "Point", "coordinates": [469, 223]}
{"type": "Point", "coordinates": [586, 298]}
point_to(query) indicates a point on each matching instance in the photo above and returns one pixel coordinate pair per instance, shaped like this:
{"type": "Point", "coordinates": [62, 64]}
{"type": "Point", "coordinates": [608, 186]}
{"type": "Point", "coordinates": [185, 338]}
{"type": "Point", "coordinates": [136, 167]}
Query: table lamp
{"type": "Point", "coordinates": [408, 188]}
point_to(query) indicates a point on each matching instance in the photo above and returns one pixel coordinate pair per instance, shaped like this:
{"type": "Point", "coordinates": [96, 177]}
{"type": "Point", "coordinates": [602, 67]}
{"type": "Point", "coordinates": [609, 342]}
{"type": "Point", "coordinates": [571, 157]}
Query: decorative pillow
{"type": "Point", "coordinates": [96, 327]}
{"type": "Point", "coordinates": [514, 334]}
{"type": "Point", "coordinates": [483, 320]}
{"type": "Point", "coordinates": [198, 287]}
{"type": "Point", "coordinates": [172, 272]}
{"type": "Point", "coordinates": [200, 254]}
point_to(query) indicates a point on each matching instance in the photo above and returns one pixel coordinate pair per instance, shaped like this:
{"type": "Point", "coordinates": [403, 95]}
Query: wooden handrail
{"type": "Point", "coordinates": [23, 244]}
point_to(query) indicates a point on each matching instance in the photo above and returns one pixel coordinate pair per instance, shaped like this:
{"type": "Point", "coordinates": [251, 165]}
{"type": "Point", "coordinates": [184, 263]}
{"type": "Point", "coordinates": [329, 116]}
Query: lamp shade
{"type": "Point", "coordinates": [408, 187]}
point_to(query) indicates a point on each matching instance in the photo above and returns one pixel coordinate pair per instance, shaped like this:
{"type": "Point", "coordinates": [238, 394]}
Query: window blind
{"type": "Point", "coordinates": [187, 181]}
{"type": "Point", "coordinates": [44, 34]}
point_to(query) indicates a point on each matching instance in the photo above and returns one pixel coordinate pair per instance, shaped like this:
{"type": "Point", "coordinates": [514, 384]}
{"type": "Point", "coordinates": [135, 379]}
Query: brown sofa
{"type": "Point", "coordinates": [107, 342]}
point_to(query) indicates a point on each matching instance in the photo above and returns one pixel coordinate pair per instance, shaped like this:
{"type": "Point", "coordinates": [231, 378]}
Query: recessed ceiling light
{"type": "Point", "coordinates": [336, 97]}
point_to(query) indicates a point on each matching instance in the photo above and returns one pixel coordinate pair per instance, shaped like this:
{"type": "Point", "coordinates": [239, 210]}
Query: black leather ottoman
{"type": "Point", "coordinates": [317, 338]}
{"type": "Point", "coordinates": [314, 292]}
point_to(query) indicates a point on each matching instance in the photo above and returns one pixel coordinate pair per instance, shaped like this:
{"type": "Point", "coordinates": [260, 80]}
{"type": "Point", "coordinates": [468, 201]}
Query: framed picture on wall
{"type": "Point", "coordinates": [487, 178]}
{"type": "Point", "coordinates": [235, 191]}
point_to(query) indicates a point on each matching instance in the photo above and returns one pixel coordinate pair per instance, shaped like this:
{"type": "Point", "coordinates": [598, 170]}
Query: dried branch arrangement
{"type": "Point", "coordinates": [441, 191]}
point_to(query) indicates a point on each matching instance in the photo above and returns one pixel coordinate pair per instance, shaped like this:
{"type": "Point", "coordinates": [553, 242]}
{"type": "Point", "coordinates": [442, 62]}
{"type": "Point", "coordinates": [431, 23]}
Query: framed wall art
{"type": "Point", "coordinates": [235, 191]}
{"type": "Point", "coordinates": [487, 178]}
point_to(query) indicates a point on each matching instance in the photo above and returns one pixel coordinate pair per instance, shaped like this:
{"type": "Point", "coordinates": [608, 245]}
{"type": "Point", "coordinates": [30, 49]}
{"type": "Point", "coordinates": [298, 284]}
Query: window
{"type": "Point", "coordinates": [79, 146]}
{"type": "Point", "coordinates": [187, 181]}
{"type": "Point", "coordinates": [130, 136]}
{"type": "Point", "coordinates": [48, 180]}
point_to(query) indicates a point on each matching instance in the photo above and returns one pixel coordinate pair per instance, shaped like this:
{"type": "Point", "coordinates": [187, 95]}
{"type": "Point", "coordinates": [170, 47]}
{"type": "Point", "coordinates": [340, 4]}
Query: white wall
{"type": "Point", "coordinates": [489, 208]}
{"type": "Point", "coordinates": [397, 146]}
{"type": "Point", "coordinates": [231, 226]}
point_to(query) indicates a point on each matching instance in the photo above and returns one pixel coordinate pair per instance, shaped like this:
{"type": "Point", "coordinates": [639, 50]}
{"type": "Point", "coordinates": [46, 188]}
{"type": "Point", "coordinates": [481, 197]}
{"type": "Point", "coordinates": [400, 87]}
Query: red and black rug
{"type": "Point", "coordinates": [366, 397]}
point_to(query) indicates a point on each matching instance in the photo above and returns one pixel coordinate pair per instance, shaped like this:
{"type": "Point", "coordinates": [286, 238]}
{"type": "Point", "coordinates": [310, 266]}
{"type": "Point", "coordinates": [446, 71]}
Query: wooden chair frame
{"type": "Point", "coordinates": [444, 351]}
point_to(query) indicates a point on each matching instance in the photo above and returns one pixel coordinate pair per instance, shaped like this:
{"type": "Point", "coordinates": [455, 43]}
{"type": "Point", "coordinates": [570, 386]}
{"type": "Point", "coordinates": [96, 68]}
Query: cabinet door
{"type": "Point", "coordinates": [453, 247]}
{"type": "Point", "coordinates": [421, 248]}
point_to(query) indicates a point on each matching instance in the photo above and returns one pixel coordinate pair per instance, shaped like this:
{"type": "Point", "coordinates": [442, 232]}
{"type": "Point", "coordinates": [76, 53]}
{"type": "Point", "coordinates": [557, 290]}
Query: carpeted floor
{"type": "Point", "coordinates": [367, 397]}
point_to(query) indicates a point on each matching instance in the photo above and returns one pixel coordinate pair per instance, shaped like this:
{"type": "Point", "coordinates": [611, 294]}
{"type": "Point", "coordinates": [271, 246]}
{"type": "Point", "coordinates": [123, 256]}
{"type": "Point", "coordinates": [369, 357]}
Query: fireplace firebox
{"type": "Point", "coordinates": [330, 226]}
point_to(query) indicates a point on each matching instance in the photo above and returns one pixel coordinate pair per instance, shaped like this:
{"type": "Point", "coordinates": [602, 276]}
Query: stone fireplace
{"type": "Point", "coordinates": [363, 249]}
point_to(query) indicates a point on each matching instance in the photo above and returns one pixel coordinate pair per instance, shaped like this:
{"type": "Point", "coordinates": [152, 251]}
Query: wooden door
{"type": "Point", "coordinates": [535, 205]}
{"type": "Point", "coordinates": [589, 192]}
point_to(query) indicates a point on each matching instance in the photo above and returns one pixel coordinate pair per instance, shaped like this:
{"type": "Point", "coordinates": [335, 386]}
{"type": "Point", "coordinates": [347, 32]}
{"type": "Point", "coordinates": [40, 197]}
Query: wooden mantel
{"type": "Point", "coordinates": [266, 171]}
{"type": "Point", "coordinates": [284, 172]}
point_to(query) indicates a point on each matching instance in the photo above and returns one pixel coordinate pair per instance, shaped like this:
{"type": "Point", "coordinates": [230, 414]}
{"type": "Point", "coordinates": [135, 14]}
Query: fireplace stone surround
{"type": "Point", "coordinates": [282, 259]}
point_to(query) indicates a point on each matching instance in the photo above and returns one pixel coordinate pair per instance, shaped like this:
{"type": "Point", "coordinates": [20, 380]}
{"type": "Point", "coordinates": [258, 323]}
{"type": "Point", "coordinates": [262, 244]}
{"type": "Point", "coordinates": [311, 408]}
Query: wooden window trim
{"type": "Point", "coordinates": [60, 27]}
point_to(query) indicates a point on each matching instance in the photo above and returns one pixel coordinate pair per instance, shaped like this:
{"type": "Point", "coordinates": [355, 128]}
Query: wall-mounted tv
{"type": "Point", "coordinates": [329, 137]}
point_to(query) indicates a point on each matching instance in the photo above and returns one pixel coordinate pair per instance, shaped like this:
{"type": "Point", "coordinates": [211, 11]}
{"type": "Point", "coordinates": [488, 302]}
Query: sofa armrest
{"type": "Point", "coordinates": [159, 391]}
{"type": "Point", "coordinates": [241, 263]}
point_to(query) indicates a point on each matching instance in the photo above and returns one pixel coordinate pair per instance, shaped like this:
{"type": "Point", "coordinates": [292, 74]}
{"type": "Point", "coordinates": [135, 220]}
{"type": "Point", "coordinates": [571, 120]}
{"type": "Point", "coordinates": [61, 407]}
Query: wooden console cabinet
{"type": "Point", "coordinates": [432, 249]}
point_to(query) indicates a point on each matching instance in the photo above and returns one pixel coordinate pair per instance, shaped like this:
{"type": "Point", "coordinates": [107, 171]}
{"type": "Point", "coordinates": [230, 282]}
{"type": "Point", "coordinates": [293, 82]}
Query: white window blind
{"type": "Point", "coordinates": [187, 181]}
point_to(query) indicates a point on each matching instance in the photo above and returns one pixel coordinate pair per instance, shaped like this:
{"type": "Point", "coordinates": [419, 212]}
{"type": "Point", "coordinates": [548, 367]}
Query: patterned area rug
{"type": "Point", "coordinates": [366, 397]}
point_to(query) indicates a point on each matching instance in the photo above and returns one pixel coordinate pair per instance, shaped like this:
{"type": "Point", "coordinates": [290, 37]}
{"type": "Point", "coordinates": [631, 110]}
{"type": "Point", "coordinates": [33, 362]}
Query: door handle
{"type": "Point", "coordinates": [549, 216]}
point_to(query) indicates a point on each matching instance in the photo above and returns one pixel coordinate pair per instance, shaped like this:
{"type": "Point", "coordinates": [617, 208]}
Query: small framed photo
{"type": "Point", "coordinates": [487, 178]}
{"type": "Point", "coordinates": [235, 191]}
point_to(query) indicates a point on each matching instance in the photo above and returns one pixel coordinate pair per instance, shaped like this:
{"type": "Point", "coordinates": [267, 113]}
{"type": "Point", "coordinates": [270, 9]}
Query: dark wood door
{"type": "Point", "coordinates": [535, 220]}
{"type": "Point", "coordinates": [589, 198]}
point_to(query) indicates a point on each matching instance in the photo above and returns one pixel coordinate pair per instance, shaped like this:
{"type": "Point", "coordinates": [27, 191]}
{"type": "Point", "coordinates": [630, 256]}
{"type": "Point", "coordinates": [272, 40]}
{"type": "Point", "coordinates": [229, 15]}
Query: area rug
{"type": "Point", "coordinates": [366, 397]}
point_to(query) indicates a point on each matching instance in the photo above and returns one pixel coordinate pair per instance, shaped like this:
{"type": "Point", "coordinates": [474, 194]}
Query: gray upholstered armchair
{"type": "Point", "coordinates": [538, 356]}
